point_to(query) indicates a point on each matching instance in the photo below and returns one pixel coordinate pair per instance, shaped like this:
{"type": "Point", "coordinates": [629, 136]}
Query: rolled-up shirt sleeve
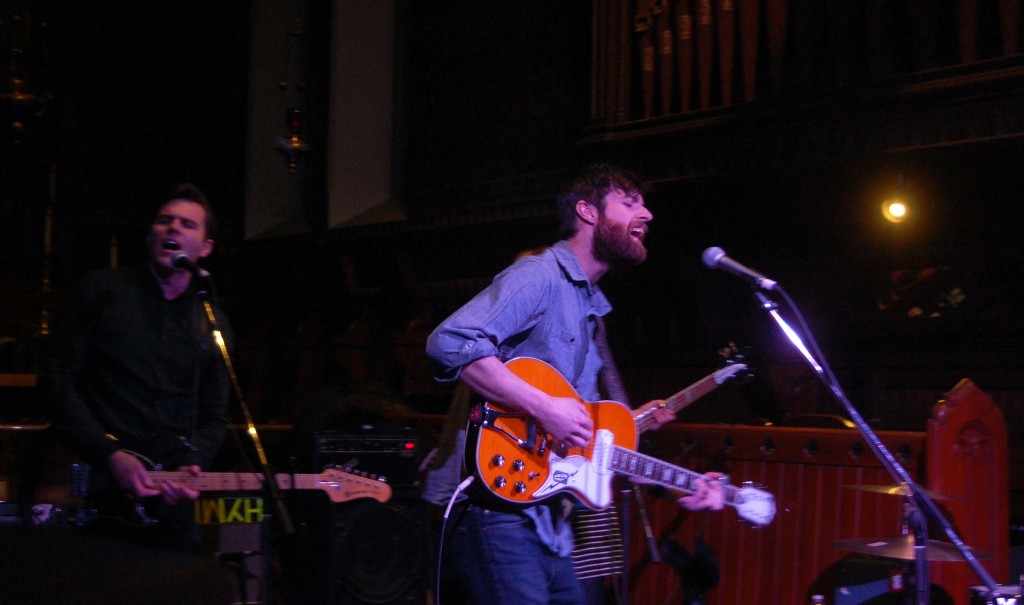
{"type": "Point", "coordinates": [491, 322]}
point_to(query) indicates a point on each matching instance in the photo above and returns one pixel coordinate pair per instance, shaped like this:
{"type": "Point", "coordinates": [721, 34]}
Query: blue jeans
{"type": "Point", "coordinates": [495, 558]}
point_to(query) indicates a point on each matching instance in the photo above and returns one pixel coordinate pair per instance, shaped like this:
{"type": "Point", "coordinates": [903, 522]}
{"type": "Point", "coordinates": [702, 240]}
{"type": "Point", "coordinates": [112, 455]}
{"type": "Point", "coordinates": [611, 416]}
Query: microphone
{"type": "Point", "coordinates": [180, 260]}
{"type": "Point", "coordinates": [715, 258]}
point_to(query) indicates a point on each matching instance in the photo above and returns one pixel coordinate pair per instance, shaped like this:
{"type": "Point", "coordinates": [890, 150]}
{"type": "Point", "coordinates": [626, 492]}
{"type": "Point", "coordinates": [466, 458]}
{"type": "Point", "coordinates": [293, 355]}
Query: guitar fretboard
{"type": "Point", "coordinates": [639, 465]}
{"type": "Point", "coordinates": [339, 485]}
{"type": "Point", "coordinates": [228, 482]}
{"type": "Point", "coordinates": [645, 420]}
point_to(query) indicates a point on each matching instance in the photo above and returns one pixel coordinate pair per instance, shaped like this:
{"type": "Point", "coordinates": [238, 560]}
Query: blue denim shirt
{"type": "Point", "coordinates": [542, 306]}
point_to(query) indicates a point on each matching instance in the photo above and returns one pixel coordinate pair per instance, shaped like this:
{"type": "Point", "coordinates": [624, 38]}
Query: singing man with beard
{"type": "Point", "coordinates": [546, 306]}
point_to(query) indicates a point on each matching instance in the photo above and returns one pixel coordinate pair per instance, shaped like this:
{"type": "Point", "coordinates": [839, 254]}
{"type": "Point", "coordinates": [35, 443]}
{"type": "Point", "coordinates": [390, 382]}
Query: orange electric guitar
{"type": "Point", "coordinates": [519, 463]}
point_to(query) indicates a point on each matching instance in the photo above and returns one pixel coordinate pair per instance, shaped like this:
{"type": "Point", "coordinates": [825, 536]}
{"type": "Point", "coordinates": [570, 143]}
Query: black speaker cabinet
{"type": "Point", "coordinates": [356, 553]}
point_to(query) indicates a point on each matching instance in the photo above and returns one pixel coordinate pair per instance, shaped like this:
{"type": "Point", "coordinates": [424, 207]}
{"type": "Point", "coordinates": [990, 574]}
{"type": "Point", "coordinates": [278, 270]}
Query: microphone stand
{"type": "Point", "coordinates": [922, 507]}
{"type": "Point", "coordinates": [269, 482]}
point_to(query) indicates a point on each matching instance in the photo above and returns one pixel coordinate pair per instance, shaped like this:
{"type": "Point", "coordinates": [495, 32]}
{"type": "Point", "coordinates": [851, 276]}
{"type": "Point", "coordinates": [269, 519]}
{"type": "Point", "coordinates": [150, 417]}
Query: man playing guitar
{"type": "Point", "coordinates": [137, 376]}
{"type": "Point", "coordinates": [546, 306]}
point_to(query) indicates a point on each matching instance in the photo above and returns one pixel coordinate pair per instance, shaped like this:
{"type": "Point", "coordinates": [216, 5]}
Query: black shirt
{"type": "Point", "coordinates": [139, 372]}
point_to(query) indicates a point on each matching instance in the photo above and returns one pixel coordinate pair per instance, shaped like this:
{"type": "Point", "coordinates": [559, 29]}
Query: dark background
{"type": "Point", "coordinates": [496, 102]}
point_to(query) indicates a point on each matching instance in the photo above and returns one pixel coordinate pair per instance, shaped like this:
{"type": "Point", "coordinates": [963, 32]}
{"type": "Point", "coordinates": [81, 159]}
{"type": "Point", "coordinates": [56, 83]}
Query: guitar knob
{"type": "Point", "coordinates": [519, 487]}
{"type": "Point", "coordinates": [518, 465]}
{"type": "Point", "coordinates": [499, 482]}
{"type": "Point", "coordinates": [498, 460]}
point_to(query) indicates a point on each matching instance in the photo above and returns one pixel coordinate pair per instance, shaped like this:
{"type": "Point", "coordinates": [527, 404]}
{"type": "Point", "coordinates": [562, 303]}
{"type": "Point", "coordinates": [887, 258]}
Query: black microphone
{"type": "Point", "coordinates": [180, 260]}
{"type": "Point", "coordinates": [715, 258]}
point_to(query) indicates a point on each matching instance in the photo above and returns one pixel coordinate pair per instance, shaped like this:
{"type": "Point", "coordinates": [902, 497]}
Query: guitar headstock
{"type": "Point", "coordinates": [734, 367]}
{"type": "Point", "coordinates": [342, 485]}
{"type": "Point", "coordinates": [754, 504]}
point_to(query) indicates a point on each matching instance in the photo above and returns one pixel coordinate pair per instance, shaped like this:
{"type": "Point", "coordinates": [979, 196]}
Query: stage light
{"type": "Point", "coordinates": [895, 210]}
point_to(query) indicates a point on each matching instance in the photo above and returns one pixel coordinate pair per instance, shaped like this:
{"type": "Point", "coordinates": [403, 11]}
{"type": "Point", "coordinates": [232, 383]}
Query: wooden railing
{"type": "Point", "coordinates": [811, 472]}
{"type": "Point", "coordinates": [822, 480]}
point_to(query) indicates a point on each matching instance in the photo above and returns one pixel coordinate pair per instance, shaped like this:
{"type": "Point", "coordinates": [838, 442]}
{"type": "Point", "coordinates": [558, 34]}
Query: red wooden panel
{"type": "Point", "coordinates": [806, 470]}
{"type": "Point", "coordinates": [967, 446]}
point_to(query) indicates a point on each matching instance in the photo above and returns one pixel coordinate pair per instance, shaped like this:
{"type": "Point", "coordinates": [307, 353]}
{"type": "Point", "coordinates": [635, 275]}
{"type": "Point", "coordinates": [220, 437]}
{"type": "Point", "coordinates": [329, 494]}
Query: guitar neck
{"type": "Point", "coordinates": [230, 482]}
{"type": "Point", "coordinates": [340, 485]}
{"type": "Point", "coordinates": [682, 399]}
{"type": "Point", "coordinates": [635, 464]}
{"type": "Point", "coordinates": [692, 393]}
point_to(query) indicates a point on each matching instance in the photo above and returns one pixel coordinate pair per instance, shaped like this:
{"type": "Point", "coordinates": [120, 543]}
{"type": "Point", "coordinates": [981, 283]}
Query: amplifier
{"type": "Point", "coordinates": [388, 451]}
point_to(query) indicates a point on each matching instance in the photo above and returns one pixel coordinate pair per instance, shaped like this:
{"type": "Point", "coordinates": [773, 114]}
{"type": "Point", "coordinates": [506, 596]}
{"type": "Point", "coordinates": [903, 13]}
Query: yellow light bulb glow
{"type": "Point", "coordinates": [895, 210]}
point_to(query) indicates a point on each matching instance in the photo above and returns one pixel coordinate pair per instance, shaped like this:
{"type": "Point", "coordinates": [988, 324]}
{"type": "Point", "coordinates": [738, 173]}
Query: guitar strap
{"type": "Point", "coordinates": [610, 379]}
{"type": "Point", "coordinates": [455, 420]}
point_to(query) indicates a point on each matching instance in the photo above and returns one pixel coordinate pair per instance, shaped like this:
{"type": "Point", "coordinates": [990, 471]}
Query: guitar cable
{"type": "Point", "coordinates": [444, 525]}
{"type": "Point", "coordinates": [458, 490]}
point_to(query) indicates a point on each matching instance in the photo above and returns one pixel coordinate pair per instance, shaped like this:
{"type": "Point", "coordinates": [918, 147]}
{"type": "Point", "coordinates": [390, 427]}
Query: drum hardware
{"type": "Point", "coordinates": [899, 490]}
{"type": "Point", "coordinates": [902, 547]}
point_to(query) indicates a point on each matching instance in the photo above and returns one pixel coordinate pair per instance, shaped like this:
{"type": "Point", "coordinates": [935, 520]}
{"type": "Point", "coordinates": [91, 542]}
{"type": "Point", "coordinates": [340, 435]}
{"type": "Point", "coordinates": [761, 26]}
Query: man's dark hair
{"type": "Point", "coordinates": [592, 184]}
{"type": "Point", "coordinates": [191, 193]}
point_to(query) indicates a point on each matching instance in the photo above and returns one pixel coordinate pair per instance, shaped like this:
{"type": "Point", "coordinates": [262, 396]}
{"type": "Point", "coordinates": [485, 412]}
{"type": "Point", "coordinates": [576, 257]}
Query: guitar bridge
{"type": "Point", "coordinates": [490, 415]}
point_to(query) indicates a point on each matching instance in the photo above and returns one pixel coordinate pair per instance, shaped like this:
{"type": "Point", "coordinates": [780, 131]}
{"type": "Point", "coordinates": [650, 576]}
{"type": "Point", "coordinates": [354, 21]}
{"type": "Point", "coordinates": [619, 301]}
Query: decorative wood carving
{"type": "Point", "coordinates": [968, 459]}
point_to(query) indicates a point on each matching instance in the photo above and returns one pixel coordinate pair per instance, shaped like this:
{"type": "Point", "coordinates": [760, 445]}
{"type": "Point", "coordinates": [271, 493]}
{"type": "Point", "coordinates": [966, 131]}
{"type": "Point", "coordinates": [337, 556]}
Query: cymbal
{"type": "Point", "coordinates": [902, 547]}
{"type": "Point", "coordinates": [899, 490]}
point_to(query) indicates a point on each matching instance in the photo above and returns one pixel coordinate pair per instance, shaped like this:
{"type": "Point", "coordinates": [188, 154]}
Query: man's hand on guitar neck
{"type": "Point", "coordinates": [133, 477]}
{"type": "Point", "coordinates": [659, 413]}
{"type": "Point", "coordinates": [709, 494]}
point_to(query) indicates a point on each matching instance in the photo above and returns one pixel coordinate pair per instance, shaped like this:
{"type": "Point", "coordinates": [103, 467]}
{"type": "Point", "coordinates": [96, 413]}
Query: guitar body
{"type": "Point", "coordinates": [518, 463]}
{"type": "Point", "coordinates": [521, 464]}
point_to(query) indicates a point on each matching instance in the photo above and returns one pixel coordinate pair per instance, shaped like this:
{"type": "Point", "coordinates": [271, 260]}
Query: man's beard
{"type": "Point", "coordinates": [614, 245]}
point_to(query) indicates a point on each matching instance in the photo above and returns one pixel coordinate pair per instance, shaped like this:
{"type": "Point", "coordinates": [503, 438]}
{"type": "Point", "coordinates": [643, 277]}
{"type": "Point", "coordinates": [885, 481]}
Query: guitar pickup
{"type": "Point", "coordinates": [490, 415]}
